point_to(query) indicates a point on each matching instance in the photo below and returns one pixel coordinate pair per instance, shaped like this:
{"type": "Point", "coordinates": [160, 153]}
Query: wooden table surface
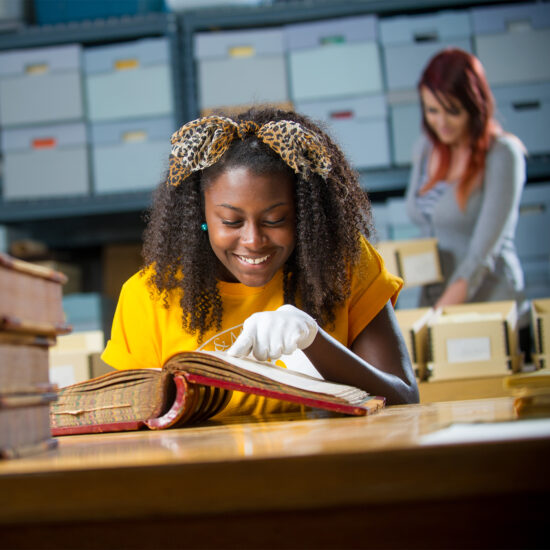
{"type": "Point", "coordinates": [400, 475]}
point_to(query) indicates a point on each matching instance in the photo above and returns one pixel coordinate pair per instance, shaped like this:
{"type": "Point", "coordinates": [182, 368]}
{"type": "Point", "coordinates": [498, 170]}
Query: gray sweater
{"type": "Point", "coordinates": [476, 244]}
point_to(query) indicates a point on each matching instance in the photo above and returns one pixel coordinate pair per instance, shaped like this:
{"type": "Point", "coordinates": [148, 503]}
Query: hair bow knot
{"type": "Point", "coordinates": [202, 142]}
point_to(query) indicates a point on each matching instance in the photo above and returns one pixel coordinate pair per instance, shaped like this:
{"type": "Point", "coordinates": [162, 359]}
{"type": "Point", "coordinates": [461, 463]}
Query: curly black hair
{"type": "Point", "coordinates": [331, 215]}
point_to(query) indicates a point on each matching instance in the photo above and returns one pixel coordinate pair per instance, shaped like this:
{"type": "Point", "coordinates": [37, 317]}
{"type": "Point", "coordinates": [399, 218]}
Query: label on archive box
{"type": "Point", "coordinates": [463, 350]}
{"type": "Point", "coordinates": [419, 269]}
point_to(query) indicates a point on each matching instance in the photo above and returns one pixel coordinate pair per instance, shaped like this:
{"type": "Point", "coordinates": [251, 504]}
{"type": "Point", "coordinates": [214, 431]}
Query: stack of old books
{"type": "Point", "coordinates": [31, 317]}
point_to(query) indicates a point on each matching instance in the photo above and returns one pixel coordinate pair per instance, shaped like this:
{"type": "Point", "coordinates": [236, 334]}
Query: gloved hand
{"type": "Point", "coordinates": [270, 334]}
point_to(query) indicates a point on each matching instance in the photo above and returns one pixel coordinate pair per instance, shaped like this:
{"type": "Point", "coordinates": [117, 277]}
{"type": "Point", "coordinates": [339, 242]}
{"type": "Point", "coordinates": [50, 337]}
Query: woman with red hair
{"type": "Point", "coordinates": [466, 184]}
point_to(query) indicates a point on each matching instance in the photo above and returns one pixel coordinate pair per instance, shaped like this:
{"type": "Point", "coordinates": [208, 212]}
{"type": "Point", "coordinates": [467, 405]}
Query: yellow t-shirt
{"type": "Point", "coordinates": [145, 334]}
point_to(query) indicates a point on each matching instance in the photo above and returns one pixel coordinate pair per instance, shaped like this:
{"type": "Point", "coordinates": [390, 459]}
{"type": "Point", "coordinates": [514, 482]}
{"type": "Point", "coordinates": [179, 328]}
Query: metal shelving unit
{"type": "Point", "coordinates": [121, 214]}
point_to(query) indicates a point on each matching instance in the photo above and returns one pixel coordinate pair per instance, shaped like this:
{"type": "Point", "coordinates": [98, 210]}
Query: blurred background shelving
{"type": "Point", "coordinates": [109, 210]}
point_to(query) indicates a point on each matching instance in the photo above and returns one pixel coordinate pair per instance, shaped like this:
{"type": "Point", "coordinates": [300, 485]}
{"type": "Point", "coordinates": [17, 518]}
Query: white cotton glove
{"type": "Point", "coordinates": [270, 334]}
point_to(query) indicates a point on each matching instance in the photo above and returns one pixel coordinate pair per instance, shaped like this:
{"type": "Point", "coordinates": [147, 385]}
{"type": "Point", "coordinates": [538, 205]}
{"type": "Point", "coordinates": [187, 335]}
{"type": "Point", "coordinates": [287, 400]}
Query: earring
{"type": "Point", "coordinates": [204, 227]}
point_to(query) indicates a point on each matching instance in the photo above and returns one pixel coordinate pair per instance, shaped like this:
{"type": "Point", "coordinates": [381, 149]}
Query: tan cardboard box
{"type": "Point", "coordinates": [479, 339]}
{"type": "Point", "coordinates": [414, 326]}
{"type": "Point", "coordinates": [462, 389]}
{"type": "Point", "coordinates": [89, 341]}
{"type": "Point", "coordinates": [69, 367]}
{"type": "Point", "coordinates": [119, 263]}
{"type": "Point", "coordinates": [416, 261]}
{"type": "Point", "coordinates": [540, 321]}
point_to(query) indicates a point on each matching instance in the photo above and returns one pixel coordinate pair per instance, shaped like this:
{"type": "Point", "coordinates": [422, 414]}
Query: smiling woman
{"type": "Point", "coordinates": [257, 243]}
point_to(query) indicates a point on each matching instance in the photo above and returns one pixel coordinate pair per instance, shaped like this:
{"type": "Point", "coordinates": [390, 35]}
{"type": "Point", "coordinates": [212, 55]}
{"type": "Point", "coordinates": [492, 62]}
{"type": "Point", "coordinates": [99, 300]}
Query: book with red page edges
{"type": "Point", "coordinates": [192, 387]}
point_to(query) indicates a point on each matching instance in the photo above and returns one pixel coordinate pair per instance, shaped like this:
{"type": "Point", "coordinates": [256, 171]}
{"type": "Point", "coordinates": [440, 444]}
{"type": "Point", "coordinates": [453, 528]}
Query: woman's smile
{"type": "Point", "coordinates": [251, 224]}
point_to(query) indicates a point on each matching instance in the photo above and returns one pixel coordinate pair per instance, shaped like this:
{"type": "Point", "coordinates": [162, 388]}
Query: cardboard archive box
{"type": "Point", "coordinates": [476, 339]}
{"type": "Point", "coordinates": [509, 41]}
{"type": "Point", "coordinates": [130, 155]}
{"type": "Point", "coordinates": [56, 154]}
{"type": "Point", "coordinates": [334, 58]}
{"type": "Point", "coordinates": [241, 67]}
{"type": "Point", "coordinates": [410, 41]}
{"type": "Point", "coordinates": [358, 124]}
{"type": "Point", "coordinates": [414, 326]}
{"type": "Point", "coordinates": [75, 357]}
{"type": "Point", "coordinates": [41, 85]}
{"type": "Point", "coordinates": [416, 261]}
{"type": "Point", "coordinates": [540, 322]}
{"type": "Point", "coordinates": [129, 80]}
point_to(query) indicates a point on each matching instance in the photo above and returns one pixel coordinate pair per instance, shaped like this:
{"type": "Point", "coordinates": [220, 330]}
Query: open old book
{"type": "Point", "coordinates": [191, 387]}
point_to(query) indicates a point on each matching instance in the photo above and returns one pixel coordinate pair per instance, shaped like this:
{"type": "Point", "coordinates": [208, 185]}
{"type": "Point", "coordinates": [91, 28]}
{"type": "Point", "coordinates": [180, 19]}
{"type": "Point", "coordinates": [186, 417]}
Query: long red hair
{"type": "Point", "coordinates": [454, 73]}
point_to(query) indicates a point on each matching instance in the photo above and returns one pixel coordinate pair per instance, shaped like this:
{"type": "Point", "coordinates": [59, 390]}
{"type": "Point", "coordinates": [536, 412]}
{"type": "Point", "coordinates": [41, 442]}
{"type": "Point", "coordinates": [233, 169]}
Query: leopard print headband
{"type": "Point", "coordinates": [202, 142]}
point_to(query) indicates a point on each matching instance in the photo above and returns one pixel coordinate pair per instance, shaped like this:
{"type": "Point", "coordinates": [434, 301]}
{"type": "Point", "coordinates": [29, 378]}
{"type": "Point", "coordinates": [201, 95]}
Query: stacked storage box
{"type": "Point", "coordinates": [75, 357]}
{"type": "Point", "coordinates": [408, 43]}
{"type": "Point", "coordinates": [239, 68]}
{"type": "Point", "coordinates": [532, 241]}
{"type": "Point", "coordinates": [131, 113]}
{"type": "Point", "coordinates": [44, 142]}
{"type": "Point", "coordinates": [31, 317]}
{"type": "Point", "coordinates": [477, 339]}
{"type": "Point", "coordinates": [512, 42]}
{"type": "Point", "coordinates": [336, 77]}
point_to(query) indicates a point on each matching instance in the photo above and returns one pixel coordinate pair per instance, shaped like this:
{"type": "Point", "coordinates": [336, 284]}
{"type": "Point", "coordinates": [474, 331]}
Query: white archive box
{"type": "Point", "coordinates": [513, 41]}
{"type": "Point", "coordinates": [475, 339]}
{"type": "Point", "coordinates": [409, 42]}
{"type": "Point", "coordinates": [416, 261]}
{"type": "Point", "coordinates": [405, 113]}
{"type": "Point", "coordinates": [130, 155]}
{"type": "Point", "coordinates": [69, 367]}
{"type": "Point", "coordinates": [358, 124]}
{"type": "Point", "coordinates": [534, 222]}
{"type": "Point", "coordinates": [41, 85]}
{"type": "Point", "coordinates": [334, 58]}
{"type": "Point", "coordinates": [237, 68]}
{"type": "Point", "coordinates": [45, 161]}
{"type": "Point", "coordinates": [524, 110]}
{"type": "Point", "coordinates": [129, 80]}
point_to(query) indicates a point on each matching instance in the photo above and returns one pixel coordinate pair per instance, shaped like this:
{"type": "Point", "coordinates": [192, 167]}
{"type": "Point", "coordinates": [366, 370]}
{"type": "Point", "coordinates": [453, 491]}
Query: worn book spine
{"type": "Point", "coordinates": [30, 298]}
{"type": "Point", "coordinates": [25, 424]}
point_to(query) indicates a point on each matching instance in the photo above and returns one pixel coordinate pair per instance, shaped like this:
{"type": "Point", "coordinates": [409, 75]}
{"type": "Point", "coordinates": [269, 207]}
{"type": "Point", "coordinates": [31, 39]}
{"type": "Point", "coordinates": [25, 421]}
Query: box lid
{"type": "Point", "coordinates": [510, 18]}
{"type": "Point", "coordinates": [152, 129]}
{"type": "Point", "coordinates": [37, 61]}
{"type": "Point", "coordinates": [237, 44]}
{"type": "Point", "coordinates": [129, 55]}
{"type": "Point", "coordinates": [331, 32]}
{"type": "Point", "coordinates": [411, 29]}
{"type": "Point", "coordinates": [43, 137]}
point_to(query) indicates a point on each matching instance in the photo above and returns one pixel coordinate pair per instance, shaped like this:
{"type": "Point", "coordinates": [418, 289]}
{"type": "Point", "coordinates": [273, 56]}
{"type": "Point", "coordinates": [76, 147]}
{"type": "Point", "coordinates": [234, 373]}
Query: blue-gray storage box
{"type": "Point", "coordinates": [534, 222]}
{"type": "Point", "coordinates": [45, 162]}
{"type": "Point", "coordinates": [129, 80]}
{"type": "Point", "coordinates": [89, 311]}
{"type": "Point", "coordinates": [40, 85]}
{"type": "Point", "coordinates": [358, 124]}
{"type": "Point", "coordinates": [410, 41]}
{"type": "Point", "coordinates": [130, 155]}
{"type": "Point", "coordinates": [513, 42]}
{"type": "Point", "coordinates": [334, 58]}
{"type": "Point", "coordinates": [524, 110]}
{"type": "Point", "coordinates": [241, 67]}
{"type": "Point", "coordinates": [406, 127]}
